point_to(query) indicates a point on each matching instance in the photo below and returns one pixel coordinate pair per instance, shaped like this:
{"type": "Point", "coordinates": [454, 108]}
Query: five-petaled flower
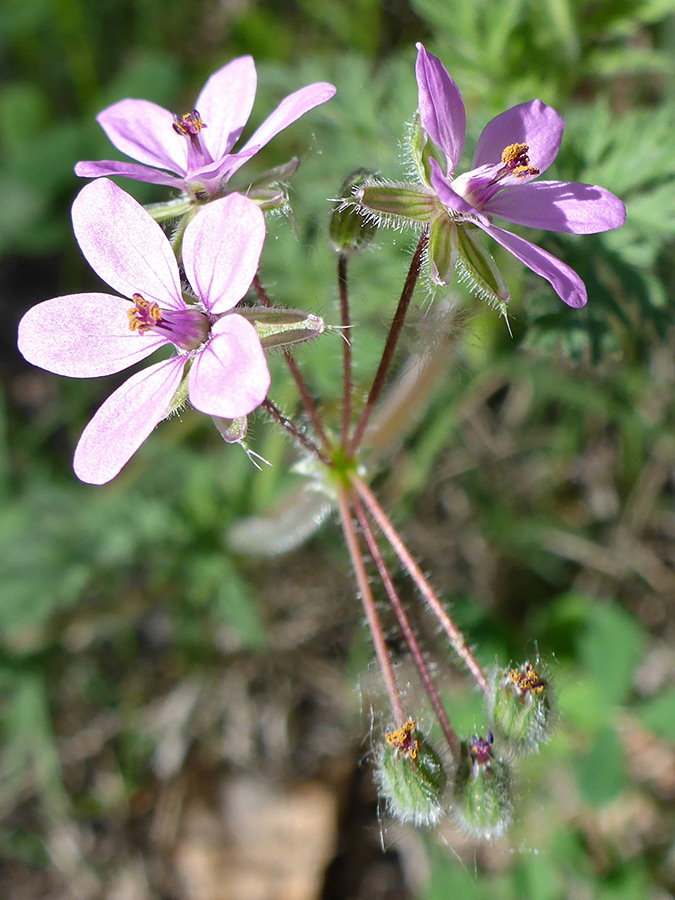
{"type": "Point", "coordinates": [193, 151]}
{"type": "Point", "coordinates": [84, 335]}
{"type": "Point", "coordinates": [513, 149]}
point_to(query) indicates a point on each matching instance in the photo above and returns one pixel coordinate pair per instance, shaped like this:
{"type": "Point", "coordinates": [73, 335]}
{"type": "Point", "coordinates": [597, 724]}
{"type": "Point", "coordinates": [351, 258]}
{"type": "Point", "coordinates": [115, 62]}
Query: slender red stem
{"type": "Point", "coordinates": [456, 637]}
{"type": "Point", "coordinates": [406, 628]}
{"type": "Point", "coordinates": [392, 341]}
{"type": "Point", "coordinates": [368, 601]}
{"type": "Point", "coordinates": [346, 349]}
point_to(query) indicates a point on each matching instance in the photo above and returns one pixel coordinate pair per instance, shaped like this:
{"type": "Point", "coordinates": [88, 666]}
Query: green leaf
{"type": "Point", "coordinates": [658, 714]}
{"type": "Point", "coordinates": [600, 774]}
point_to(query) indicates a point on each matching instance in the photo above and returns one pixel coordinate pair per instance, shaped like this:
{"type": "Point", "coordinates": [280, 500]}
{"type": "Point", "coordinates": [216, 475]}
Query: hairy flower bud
{"type": "Point", "coordinates": [411, 776]}
{"type": "Point", "coordinates": [520, 707]}
{"type": "Point", "coordinates": [349, 231]}
{"type": "Point", "coordinates": [482, 790]}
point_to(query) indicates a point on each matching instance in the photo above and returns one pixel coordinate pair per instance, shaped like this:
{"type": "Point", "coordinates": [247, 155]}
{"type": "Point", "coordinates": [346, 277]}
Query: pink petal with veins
{"type": "Point", "coordinates": [83, 335]}
{"type": "Point", "coordinates": [441, 107]}
{"type": "Point", "coordinates": [225, 103]}
{"type": "Point", "coordinates": [124, 244]}
{"type": "Point", "coordinates": [229, 377]}
{"type": "Point", "coordinates": [144, 131]}
{"type": "Point", "coordinates": [221, 250]}
{"type": "Point", "coordinates": [125, 420]}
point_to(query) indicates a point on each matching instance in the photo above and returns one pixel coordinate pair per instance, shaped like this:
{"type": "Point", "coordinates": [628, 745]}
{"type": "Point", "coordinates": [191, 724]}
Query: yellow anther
{"type": "Point", "coordinates": [515, 153]}
{"type": "Point", "coordinates": [402, 739]}
{"type": "Point", "coordinates": [144, 314]}
{"type": "Point", "coordinates": [522, 171]}
{"type": "Point", "coordinates": [527, 680]}
{"type": "Point", "coordinates": [189, 124]}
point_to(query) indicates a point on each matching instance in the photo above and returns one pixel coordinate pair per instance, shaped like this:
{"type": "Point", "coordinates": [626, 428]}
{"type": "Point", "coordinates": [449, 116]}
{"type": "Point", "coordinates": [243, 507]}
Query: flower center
{"type": "Point", "coordinates": [189, 125]}
{"type": "Point", "coordinates": [481, 184]}
{"type": "Point", "coordinates": [480, 748]}
{"type": "Point", "coordinates": [187, 328]}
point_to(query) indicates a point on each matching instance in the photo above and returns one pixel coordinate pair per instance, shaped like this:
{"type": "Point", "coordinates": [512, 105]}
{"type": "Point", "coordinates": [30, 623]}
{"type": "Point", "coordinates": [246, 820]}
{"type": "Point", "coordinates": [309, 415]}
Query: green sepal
{"type": "Point", "coordinates": [270, 197]}
{"type": "Point", "coordinates": [392, 203]}
{"type": "Point", "coordinates": [268, 190]}
{"type": "Point", "coordinates": [280, 327]}
{"type": "Point", "coordinates": [171, 209]}
{"type": "Point", "coordinates": [233, 431]}
{"type": "Point", "coordinates": [349, 231]}
{"type": "Point", "coordinates": [277, 175]}
{"type": "Point", "coordinates": [479, 270]}
{"type": "Point", "coordinates": [422, 149]}
{"type": "Point", "coordinates": [443, 249]}
{"type": "Point", "coordinates": [412, 787]}
{"type": "Point", "coordinates": [180, 398]}
{"type": "Point", "coordinates": [482, 794]}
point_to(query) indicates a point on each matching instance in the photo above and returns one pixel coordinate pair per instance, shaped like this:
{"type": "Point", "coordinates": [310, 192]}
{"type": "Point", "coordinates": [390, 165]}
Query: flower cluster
{"type": "Point", "coordinates": [187, 295]}
{"type": "Point", "coordinates": [218, 362]}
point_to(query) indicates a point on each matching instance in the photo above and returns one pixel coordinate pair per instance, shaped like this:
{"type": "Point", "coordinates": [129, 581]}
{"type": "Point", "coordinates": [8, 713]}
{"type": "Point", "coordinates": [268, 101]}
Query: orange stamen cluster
{"type": "Point", "coordinates": [516, 158]}
{"type": "Point", "coordinates": [144, 315]}
{"type": "Point", "coordinates": [189, 124]}
{"type": "Point", "coordinates": [402, 739]}
{"type": "Point", "coordinates": [527, 679]}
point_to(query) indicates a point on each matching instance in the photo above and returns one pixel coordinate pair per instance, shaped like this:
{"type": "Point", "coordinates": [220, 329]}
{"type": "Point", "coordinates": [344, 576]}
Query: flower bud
{"type": "Point", "coordinates": [411, 776]}
{"type": "Point", "coordinates": [520, 707]}
{"type": "Point", "coordinates": [482, 790]}
{"type": "Point", "coordinates": [349, 230]}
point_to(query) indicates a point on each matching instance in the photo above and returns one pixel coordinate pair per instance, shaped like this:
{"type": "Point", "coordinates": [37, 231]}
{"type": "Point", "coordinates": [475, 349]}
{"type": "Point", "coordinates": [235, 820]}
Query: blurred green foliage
{"type": "Point", "coordinates": [577, 409]}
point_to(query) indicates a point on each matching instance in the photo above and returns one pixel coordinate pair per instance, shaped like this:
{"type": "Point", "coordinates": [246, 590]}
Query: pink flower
{"type": "Point", "coordinates": [513, 149]}
{"type": "Point", "coordinates": [196, 147]}
{"type": "Point", "coordinates": [84, 335]}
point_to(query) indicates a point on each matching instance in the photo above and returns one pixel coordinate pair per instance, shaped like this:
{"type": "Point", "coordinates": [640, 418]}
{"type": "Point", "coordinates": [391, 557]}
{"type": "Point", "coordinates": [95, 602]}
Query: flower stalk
{"type": "Point", "coordinates": [381, 650]}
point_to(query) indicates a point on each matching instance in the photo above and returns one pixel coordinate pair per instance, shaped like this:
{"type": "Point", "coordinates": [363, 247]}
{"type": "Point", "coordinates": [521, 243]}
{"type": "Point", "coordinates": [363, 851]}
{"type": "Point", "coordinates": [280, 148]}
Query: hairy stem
{"type": "Point", "coordinates": [368, 601]}
{"type": "Point", "coordinates": [294, 431]}
{"type": "Point", "coordinates": [406, 628]}
{"type": "Point", "coordinates": [346, 349]}
{"type": "Point", "coordinates": [392, 341]}
{"type": "Point", "coordinates": [456, 637]}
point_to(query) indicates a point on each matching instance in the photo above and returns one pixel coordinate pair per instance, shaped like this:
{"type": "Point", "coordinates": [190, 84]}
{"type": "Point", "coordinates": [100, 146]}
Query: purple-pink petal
{"type": "Point", "coordinates": [441, 107]}
{"type": "Point", "coordinates": [534, 123]}
{"type": "Point", "coordinates": [221, 251]}
{"type": "Point", "coordinates": [229, 377]}
{"type": "Point", "coordinates": [144, 131]}
{"type": "Point", "coordinates": [83, 335]}
{"type": "Point", "coordinates": [449, 197]}
{"type": "Point", "coordinates": [225, 103]}
{"type": "Point", "coordinates": [291, 108]}
{"type": "Point", "coordinates": [103, 167]}
{"type": "Point", "coordinates": [564, 280]}
{"type": "Point", "coordinates": [559, 206]}
{"type": "Point", "coordinates": [125, 420]}
{"type": "Point", "coordinates": [125, 245]}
